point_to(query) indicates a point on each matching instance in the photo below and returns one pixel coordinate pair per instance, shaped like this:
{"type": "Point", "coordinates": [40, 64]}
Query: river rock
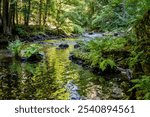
{"type": "Point", "coordinates": [3, 44]}
{"type": "Point", "coordinates": [126, 72]}
{"type": "Point", "coordinates": [35, 58]}
{"type": "Point", "coordinates": [76, 46]}
{"type": "Point", "coordinates": [91, 33]}
{"type": "Point", "coordinates": [5, 56]}
{"type": "Point", "coordinates": [116, 34]}
{"type": "Point", "coordinates": [117, 93]}
{"type": "Point", "coordinates": [73, 90]}
{"type": "Point", "coordinates": [63, 46]}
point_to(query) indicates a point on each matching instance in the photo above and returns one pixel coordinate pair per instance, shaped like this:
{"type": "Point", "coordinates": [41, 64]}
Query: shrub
{"type": "Point", "coordinates": [20, 31]}
{"type": "Point", "coordinates": [15, 47]}
{"type": "Point", "coordinates": [78, 29]}
{"type": "Point", "coordinates": [94, 52]}
{"type": "Point", "coordinates": [23, 51]}
{"type": "Point", "coordinates": [30, 50]}
{"type": "Point", "coordinates": [107, 62]}
{"type": "Point", "coordinates": [143, 87]}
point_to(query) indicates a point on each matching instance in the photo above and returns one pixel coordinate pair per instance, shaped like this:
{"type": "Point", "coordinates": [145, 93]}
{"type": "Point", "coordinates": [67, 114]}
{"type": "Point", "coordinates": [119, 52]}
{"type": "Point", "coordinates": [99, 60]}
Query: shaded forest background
{"type": "Point", "coordinates": [70, 16]}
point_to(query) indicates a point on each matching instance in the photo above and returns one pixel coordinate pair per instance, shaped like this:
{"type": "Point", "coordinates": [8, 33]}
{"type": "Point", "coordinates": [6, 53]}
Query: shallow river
{"type": "Point", "coordinates": [55, 77]}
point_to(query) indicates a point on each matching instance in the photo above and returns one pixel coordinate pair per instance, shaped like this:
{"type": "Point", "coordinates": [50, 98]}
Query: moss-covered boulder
{"type": "Point", "coordinates": [142, 30]}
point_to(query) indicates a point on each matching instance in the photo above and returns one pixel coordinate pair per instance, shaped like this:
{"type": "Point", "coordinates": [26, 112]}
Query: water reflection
{"type": "Point", "coordinates": [45, 80]}
{"type": "Point", "coordinates": [50, 78]}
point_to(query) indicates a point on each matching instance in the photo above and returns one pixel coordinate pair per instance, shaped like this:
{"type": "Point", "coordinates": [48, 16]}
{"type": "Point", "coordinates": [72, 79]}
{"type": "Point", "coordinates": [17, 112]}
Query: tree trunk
{"type": "Point", "coordinates": [40, 12]}
{"type": "Point", "coordinates": [0, 7]}
{"type": "Point", "coordinates": [16, 12]}
{"type": "Point", "coordinates": [27, 10]}
{"type": "Point", "coordinates": [6, 22]}
{"type": "Point", "coordinates": [45, 12]}
{"type": "Point", "coordinates": [12, 14]}
{"type": "Point", "coordinates": [28, 13]}
{"type": "Point", "coordinates": [0, 15]}
{"type": "Point", "coordinates": [20, 14]}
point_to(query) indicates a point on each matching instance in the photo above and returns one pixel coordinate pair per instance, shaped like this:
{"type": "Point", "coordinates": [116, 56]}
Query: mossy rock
{"type": "Point", "coordinates": [142, 28]}
{"type": "Point", "coordinates": [139, 94]}
{"type": "Point", "coordinates": [122, 53]}
{"type": "Point", "coordinates": [146, 68]}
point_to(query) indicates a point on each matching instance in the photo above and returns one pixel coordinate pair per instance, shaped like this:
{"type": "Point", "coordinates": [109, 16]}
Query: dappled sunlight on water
{"type": "Point", "coordinates": [55, 77]}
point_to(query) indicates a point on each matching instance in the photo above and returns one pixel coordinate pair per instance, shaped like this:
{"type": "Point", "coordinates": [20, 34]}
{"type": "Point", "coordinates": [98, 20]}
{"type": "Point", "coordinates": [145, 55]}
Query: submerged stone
{"type": "Point", "coordinates": [63, 46]}
{"type": "Point", "coordinates": [76, 46]}
{"type": "Point", "coordinates": [72, 88]}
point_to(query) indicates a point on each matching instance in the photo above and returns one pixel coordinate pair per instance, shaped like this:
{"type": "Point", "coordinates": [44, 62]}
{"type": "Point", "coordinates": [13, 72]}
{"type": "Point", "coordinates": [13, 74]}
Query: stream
{"type": "Point", "coordinates": [55, 77]}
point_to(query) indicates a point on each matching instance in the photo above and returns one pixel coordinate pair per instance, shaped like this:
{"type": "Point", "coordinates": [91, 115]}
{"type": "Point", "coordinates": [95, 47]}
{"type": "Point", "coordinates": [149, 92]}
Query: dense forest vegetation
{"type": "Point", "coordinates": [71, 16]}
{"type": "Point", "coordinates": [125, 25]}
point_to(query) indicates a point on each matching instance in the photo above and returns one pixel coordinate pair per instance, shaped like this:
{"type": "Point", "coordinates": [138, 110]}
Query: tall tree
{"type": "Point", "coordinates": [12, 13]}
{"type": "Point", "coordinates": [0, 13]}
{"type": "Point", "coordinates": [0, 7]}
{"type": "Point", "coordinates": [27, 11]}
{"type": "Point", "coordinates": [6, 19]}
{"type": "Point", "coordinates": [40, 12]}
{"type": "Point", "coordinates": [16, 12]}
{"type": "Point", "coordinates": [46, 11]}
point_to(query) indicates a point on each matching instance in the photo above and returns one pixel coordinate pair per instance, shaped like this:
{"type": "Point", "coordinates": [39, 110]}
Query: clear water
{"type": "Point", "coordinates": [54, 78]}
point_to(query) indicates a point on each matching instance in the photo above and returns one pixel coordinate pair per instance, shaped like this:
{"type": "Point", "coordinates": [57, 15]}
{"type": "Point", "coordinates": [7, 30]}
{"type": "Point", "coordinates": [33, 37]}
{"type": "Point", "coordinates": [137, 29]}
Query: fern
{"type": "Point", "coordinates": [142, 86]}
{"type": "Point", "coordinates": [105, 63]}
{"type": "Point", "coordinates": [30, 50]}
{"type": "Point", "coordinates": [15, 47]}
{"type": "Point", "coordinates": [135, 59]}
{"type": "Point", "coordinates": [77, 29]}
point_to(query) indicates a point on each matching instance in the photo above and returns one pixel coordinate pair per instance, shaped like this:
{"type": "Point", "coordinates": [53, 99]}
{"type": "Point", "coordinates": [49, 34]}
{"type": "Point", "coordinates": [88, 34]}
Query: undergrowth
{"type": "Point", "coordinates": [20, 49]}
{"type": "Point", "coordinates": [142, 86]}
{"type": "Point", "coordinates": [93, 52]}
{"type": "Point", "coordinates": [15, 47]}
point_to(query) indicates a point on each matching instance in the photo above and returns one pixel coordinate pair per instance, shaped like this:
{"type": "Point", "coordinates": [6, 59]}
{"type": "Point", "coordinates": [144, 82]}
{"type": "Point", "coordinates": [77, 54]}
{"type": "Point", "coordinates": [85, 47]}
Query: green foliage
{"type": "Point", "coordinates": [93, 51]}
{"type": "Point", "coordinates": [30, 50]}
{"type": "Point", "coordinates": [78, 29]}
{"type": "Point", "coordinates": [104, 20]}
{"type": "Point", "coordinates": [136, 9]}
{"type": "Point", "coordinates": [81, 55]}
{"type": "Point", "coordinates": [78, 16]}
{"type": "Point", "coordinates": [38, 33]}
{"type": "Point", "coordinates": [15, 47]}
{"type": "Point", "coordinates": [107, 43]}
{"type": "Point", "coordinates": [136, 58]}
{"type": "Point", "coordinates": [20, 31]}
{"type": "Point", "coordinates": [143, 87]}
{"type": "Point", "coordinates": [98, 15]}
{"type": "Point", "coordinates": [22, 50]}
{"type": "Point", "coordinates": [116, 14]}
{"type": "Point", "coordinates": [107, 62]}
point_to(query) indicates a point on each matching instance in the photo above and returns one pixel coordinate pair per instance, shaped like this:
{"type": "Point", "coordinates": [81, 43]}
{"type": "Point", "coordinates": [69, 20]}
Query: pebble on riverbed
{"type": "Point", "coordinates": [72, 88]}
